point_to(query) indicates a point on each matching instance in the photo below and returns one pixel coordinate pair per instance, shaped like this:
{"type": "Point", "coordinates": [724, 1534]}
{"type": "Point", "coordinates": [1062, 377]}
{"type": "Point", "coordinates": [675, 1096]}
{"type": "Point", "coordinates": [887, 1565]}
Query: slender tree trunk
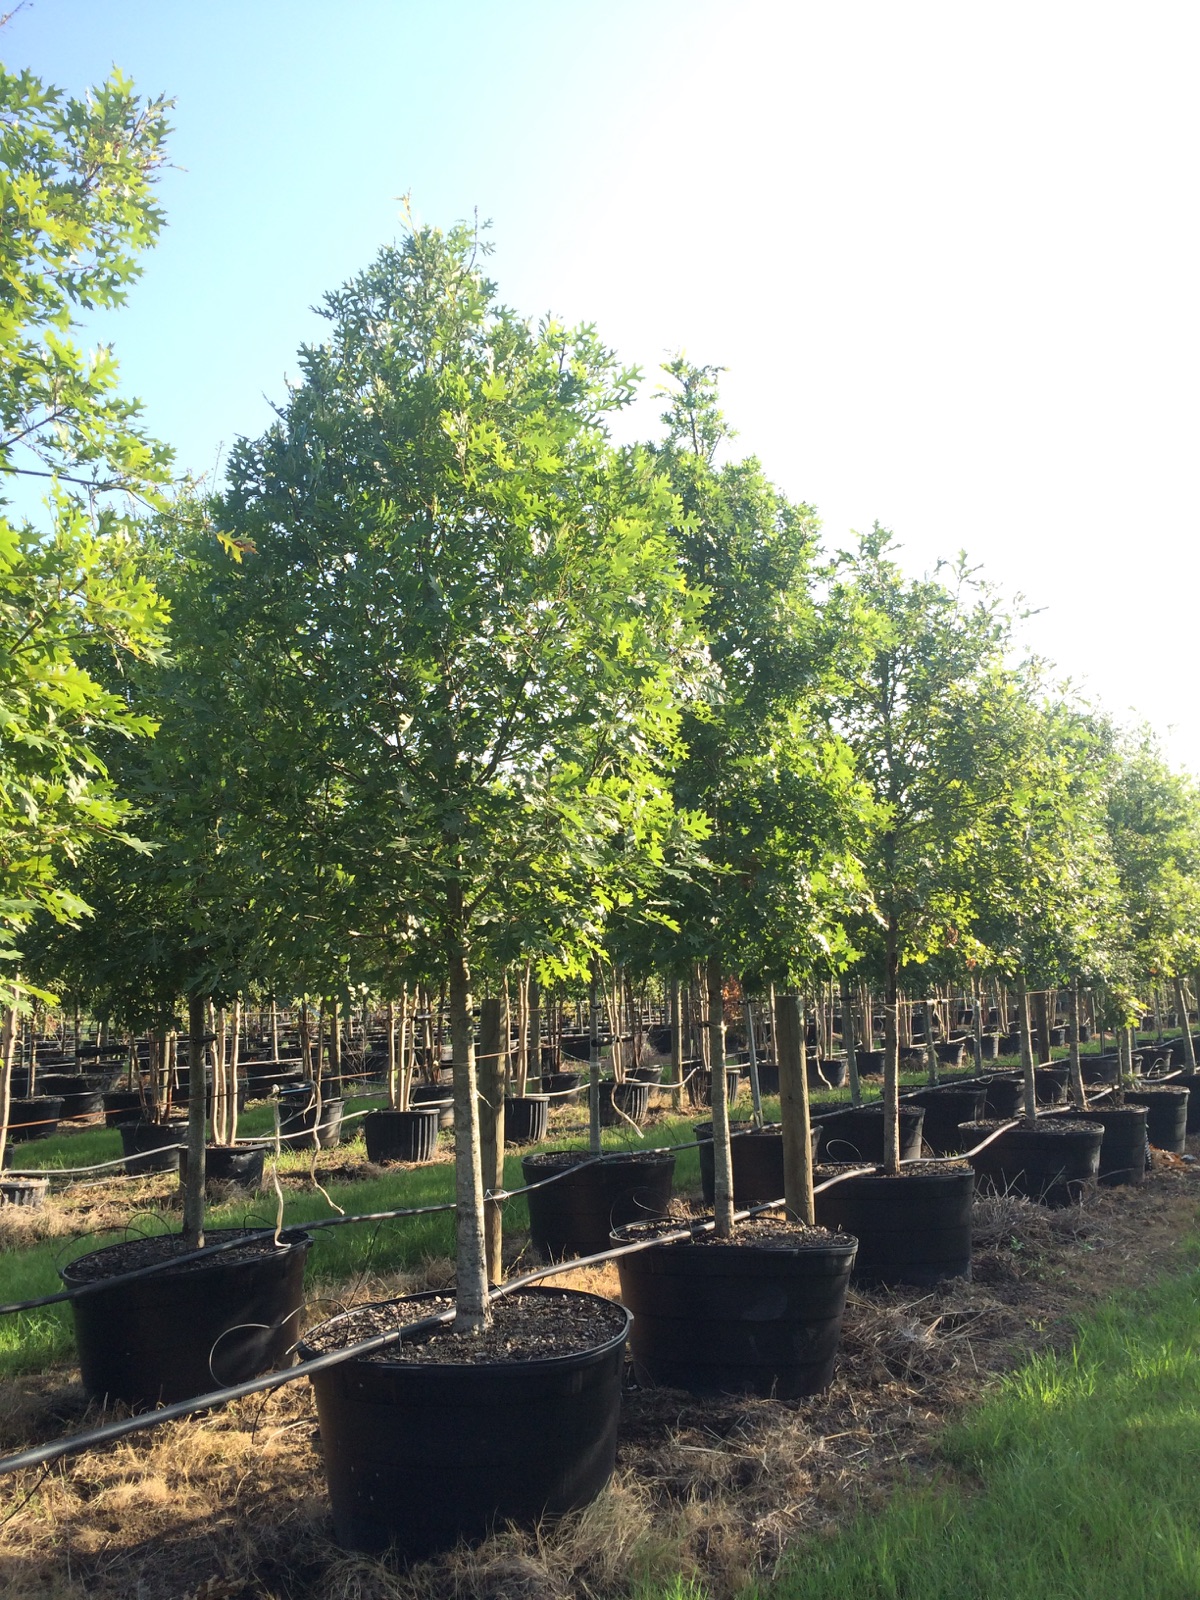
{"type": "Point", "coordinates": [392, 1083]}
{"type": "Point", "coordinates": [493, 1040]}
{"type": "Point", "coordinates": [755, 1086]}
{"type": "Point", "coordinates": [891, 1053]}
{"type": "Point", "coordinates": [1027, 1062]}
{"type": "Point", "coordinates": [1078, 1089]}
{"type": "Point", "coordinates": [8, 1052]}
{"type": "Point", "coordinates": [676, 1014]}
{"type": "Point", "coordinates": [848, 1040]}
{"type": "Point", "coordinates": [977, 1014]}
{"type": "Point", "coordinates": [722, 1154]}
{"type": "Point", "coordinates": [533, 1053]}
{"type": "Point", "coordinates": [931, 1055]}
{"type": "Point", "coordinates": [193, 1189]}
{"type": "Point", "coordinates": [522, 1073]}
{"type": "Point", "coordinates": [472, 1311]}
{"type": "Point", "coordinates": [793, 1103]}
{"type": "Point", "coordinates": [1189, 1044]}
{"type": "Point", "coordinates": [594, 1063]}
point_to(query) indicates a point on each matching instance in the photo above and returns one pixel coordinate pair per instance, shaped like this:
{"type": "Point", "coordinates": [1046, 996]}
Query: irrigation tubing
{"type": "Point", "coordinates": [109, 1433]}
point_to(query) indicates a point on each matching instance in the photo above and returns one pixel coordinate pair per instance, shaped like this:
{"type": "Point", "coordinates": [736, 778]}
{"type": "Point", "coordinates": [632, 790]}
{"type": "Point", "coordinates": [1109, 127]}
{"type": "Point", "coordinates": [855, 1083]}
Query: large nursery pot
{"type": "Point", "coordinates": [563, 1088]}
{"type": "Point", "coordinates": [1123, 1153]}
{"type": "Point", "coordinates": [229, 1163]}
{"type": "Point", "coordinates": [29, 1192]}
{"type": "Point", "coordinates": [945, 1109]}
{"type": "Point", "coordinates": [298, 1119]}
{"type": "Point", "coordinates": [871, 1062]}
{"type": "Point", "coordinates": [915, 1228]}
{"type": "Point", "coordinates": [123, 1105]}
{"type": "Point", "coordinates": [1191, 1082]}
{"type": "Point", "coordinates": [950, 1051]}
{"type": "Point", "coordinates": [1100, 1069]}
{"type": "Point", "coordinates": [401, 1135]}
{"type": "Point", "coordinates": [526, 1118]}
{"type": "Point", "coordinates": [1166, 1114]}
{"type": "Point", "coordinates": [856, 1134]}
{"type": "Point", "coordinates": [768, 1077]}
{"type": "Point", "coordinates": [421, 1453]}
{"type": "Point", "coordinates": [1053, 1162]}
{"type": "Point", "coordinates": [623, 1103]}
{"type": "Point", "coordinates": [574, 1215]}
{"type": "Point", "coordinates": [34, 1118]}
{"type": "Point", "coordinates": [700, 1085]}
{"type": "Point", "coordinates": [188, 1329]}
{"type": "Point", "coordinates": [1005, 1095]}
{"type": "Point", "coordinates": [1050, 1085]}
{"type": "Point", "coordinates": [440, 1095]}
{"type": "Point", "coordinates": [757, 1314]}
{"type": "Point", "coordinates": [757, 1162]}
{"type": "Point", "coordinates": [152, 1146]}
{"type": "Point", "coordinates": [829, 1072]}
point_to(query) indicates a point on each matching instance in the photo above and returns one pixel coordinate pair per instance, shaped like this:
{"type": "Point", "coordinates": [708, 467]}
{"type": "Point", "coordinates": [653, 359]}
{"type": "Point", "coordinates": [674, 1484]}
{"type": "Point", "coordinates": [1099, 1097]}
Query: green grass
{"type": "Point", "coordinates": [1075, 1482]}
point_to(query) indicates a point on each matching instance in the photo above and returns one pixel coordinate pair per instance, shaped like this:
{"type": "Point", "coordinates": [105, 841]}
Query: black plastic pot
{"type": "Point", "coordinates": [1123, 1153]}
{"type": "Point", "coordinates": [298, 1119]}
{"type": "Point", "coordinates": [526, 1118]}
{"type": "Point", "coordinates": [1004, 1097]}
{"type": "Point", "coordinates": [870, 1062]}
{"type": "Point", "coordinates": [35, 1118]}
{"type": "Point", "coordinates": [950, 1051]}
{"type": "Point", "coordinates": [1166, 1115]}
{"type": "Point", "coordinates": [623, 1102]}
{"type": "Point", "coordinates": [650, 1075]}
{"type": "Point", "coordinates": [575, 1215]}
{"type": "Point", "coordinates": [1191, 1082]}
{"type": "Point", "coordinates": [1052, 1162]}
{"type": "Point", "coordinates": [945, 1109]}
{"type": "Point", "coordinates": [186, 1330]}
{"type": "Point", "coordinates": [990, 1046]}
{"type": "Point", "coordinates": [1100, 1069]}
{"type": "Point", "coordinates": [564, 1088]}
{"type": "Point", "coordinates": [768, 1077]}
{"type": "Point", "coordinates": [82, 1102]}
{"type": "Point", "coordinates": [261, 1085]}
{"type": "Point", "coordinates": [757, 1162]}
{"type": "Point", "coordinates": [912, 1229]}
{"type": "Point", "coordinates": [700, 1086]}
{"type": "Point", "coordinates": [576, 1046]}
{"type": "Point", "coordinates": [732, 1318]}
{"type": "Point", "coordinates": [827, 1073]}
{"type": "Point", "coordinates": [419, 1455]}
{"type": "Point", "coordinates": [23, 1191]}
{"type": "Point", "coordinates": [856, 1134]}
{"type": "Point", "coordinates": [60, 1083]}
{"type": "Point", "coordinates": [149, 1146]}
{"type": "Point", "coordinates": [1050, 1085]}
{"type": "Point", "coordinates": [401, 1135]}
{"type": "Point", "coordinates": [229, 1163]}
{"type": "Point", "coordinates": [122, 1106]}
{"type": "Point", "coordinates": [440, 1095]}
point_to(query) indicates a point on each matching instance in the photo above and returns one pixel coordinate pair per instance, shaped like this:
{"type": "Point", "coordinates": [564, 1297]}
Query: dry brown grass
{"type": "Point", "coordinates": [233, 1507]}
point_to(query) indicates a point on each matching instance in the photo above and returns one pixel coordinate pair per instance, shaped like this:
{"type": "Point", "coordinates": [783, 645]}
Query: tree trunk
{"type": "Point", "coordinates": [533, 1052]}
{"type": "Point", "coordinates": [493, 1052]}
{"type": "Point", "coordinates": [722, 1154]}
{"type": "Point", "coordinates": [755, 1086]}
{"type": "Point", "coordinates": [193, 1188]}
{"type": "Point", "coordinates": [1041, 1006]}
{"type": "Point", "coordinates": [676, 1015]}
{"type": "Point", "coordinates": [8, 1051]}
{"type": "Point", "coordinates": [392, 1062]}
{"type": "Point", "coordinates": [793, 1107]}
{"type": "Point", "coordinates": [1189, 1044]}
{"type": "Point", "coordinates": [931, 1055]}
{"type": "Point", "coordinates": [977, 1014]}
{"type": "Point", "coordinates": [594, 1063]}
{"type": "Point", "coordinates": [1026, 1049]}
{"type": "Point", "coordinates": [848, 1040]}
{"type": "Point", "coordinates": [891, 1053]}
{"type": "Point", "coordinates": [1078, 1090]}
{"type": "Point", "coordinates": [472, 1311]}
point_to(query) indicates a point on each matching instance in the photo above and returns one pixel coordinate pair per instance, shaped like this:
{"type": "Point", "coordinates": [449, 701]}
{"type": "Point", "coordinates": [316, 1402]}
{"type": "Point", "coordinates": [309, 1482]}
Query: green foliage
{"type": "Point", "coordinates": [75, 606]}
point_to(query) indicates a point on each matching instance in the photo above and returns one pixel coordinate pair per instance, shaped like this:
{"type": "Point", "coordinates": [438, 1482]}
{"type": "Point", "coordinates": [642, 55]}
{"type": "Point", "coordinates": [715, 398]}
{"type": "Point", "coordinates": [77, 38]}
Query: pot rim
{"type": "Point", "coordinates": [542, 1364]}
{"type": "Point", "coordinates": [291, 1239]}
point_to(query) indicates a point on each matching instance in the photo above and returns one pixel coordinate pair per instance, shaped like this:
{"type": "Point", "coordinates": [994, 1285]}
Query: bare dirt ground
{"type": "Point", "coordinates": [232, 1507]}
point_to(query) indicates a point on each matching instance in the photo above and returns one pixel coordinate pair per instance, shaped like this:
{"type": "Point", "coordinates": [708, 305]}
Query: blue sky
{"type": "Point", "coordinates": [947, 253]}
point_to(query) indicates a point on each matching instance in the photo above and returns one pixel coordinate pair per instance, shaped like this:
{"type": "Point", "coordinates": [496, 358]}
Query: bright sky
{"type": "Point", "coordinates": [946, 252]}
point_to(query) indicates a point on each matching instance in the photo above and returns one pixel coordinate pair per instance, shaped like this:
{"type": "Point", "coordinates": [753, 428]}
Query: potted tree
{"type": "Point", "coordinates": [496, 721]}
